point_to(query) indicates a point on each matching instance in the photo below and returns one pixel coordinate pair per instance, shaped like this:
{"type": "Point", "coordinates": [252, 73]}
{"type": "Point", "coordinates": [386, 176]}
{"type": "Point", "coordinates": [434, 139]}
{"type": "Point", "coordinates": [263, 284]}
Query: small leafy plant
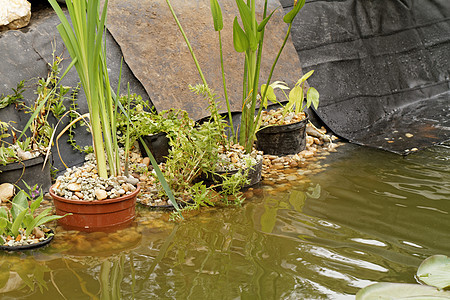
{"type": "Point", "coordinates": [48, 103]}
{"type": "Point", "coordinates": [249, 41]}
{"type": "Point", "coordinates": [296, 95]}
{"type": "Point", "coordinates": [20, 221]}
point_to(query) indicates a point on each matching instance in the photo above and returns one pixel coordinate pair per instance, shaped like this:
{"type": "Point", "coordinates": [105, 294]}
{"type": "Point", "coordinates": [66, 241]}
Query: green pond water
{"type": "Point", "coordinates": [373, 216]}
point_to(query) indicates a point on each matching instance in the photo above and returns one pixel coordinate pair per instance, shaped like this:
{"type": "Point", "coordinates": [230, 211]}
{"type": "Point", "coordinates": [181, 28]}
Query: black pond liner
{"type": "Point", "coordinates": [158, 144]}
{"type": "Point", "coordinates": [29, 171]}
{"type": "Point", "coordinates": [29, 247]}
{"type": "Point", "coordinates": [282, 139]}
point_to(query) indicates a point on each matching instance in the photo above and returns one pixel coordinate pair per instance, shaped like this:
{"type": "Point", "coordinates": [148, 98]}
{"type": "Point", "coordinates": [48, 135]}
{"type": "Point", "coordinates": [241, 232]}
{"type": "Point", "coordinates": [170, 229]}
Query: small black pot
{"type": "Point", "coordinates": [254, 175]}
{"type": "Point", "coordinates": [158, 145]}
{"type": "Point", "coordinates": [282, 139]}
{"type": "Point", "coordinates": [29, 171]}
{"type": "Point", "coordinates": [28, 247]}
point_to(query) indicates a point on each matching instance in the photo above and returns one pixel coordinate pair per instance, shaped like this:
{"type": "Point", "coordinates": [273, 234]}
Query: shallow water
{"type": "Point", "coordinates": [370, 216]}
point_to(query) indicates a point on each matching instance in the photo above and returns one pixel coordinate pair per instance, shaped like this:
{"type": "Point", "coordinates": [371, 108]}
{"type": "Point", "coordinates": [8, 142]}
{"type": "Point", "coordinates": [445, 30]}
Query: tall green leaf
{"type": "Point", "coordinates": [216, 12]}
{"type": "Point", "coordinates": [240, 40]}
{"type": "Point", "coordinates": [19, 203]}
{"type": "Point", "coordinates": [17, 222]}
{"type": "Point", "coordinates": [289, 17]}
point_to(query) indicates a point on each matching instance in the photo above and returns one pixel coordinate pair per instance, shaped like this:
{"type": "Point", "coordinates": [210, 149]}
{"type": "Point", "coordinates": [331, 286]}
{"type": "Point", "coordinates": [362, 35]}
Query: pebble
{"type": "Point", "coordinates": [146, 161]}
{"type": "Point", "coordinates": [6, 192]}
{"type": "Point", "coordinates": [101, 194]}
{"type": "Point", "coordinates": [74, 187]}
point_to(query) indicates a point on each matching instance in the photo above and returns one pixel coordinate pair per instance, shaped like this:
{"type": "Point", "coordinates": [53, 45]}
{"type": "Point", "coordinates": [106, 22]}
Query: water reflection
{"type": "Point", "coordinates": [371, 216]}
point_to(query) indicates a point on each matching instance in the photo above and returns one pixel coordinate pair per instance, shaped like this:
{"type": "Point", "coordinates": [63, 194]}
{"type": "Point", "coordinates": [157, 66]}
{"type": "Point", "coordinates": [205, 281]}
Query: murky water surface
{"type": "Point", "coordinates": [371, 216]}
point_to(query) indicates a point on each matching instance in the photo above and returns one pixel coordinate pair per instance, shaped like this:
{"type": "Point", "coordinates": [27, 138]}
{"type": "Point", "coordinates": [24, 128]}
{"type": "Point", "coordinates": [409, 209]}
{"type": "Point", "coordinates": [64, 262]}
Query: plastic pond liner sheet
{"type": "Point", "coordinates": [381, 67]}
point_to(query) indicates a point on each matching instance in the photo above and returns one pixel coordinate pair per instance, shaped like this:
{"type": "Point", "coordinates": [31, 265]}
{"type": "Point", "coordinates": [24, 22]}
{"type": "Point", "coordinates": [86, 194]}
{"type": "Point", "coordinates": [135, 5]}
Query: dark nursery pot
{"type": "Point", "coordinates": [29, 171]}
{"type": "Point", "coordinates": [104, 215]}
{"type": "Point", "coordinates": [254, 175]}
{"type": "Point", "coordinates": [28, 247]}
{"type": "Point", "coordinates": [158, 145]}
{"type": "Point", "coordinates": [282, 139]}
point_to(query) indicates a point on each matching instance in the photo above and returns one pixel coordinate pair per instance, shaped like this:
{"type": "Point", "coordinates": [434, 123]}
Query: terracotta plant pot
{"type": "Point", "coordinates": [29, 171]}
{"type": "Point", "coordinates": [282, 139]}
{"type": "Point", "coordinates": [104, 215]}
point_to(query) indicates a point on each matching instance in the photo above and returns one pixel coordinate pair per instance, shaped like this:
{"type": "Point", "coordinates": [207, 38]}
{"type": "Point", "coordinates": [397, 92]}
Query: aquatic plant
{"type": "Point", "coordinates": [249, 41]}
{"type": "Point", "coordinates": [20, 220]}
{"type": "Point", "coordinates": [434, 272]}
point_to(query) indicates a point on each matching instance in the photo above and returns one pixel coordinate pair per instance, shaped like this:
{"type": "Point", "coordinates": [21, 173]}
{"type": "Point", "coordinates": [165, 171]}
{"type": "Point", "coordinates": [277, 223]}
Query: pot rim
{"type": "Point", "coordinates": [95, 202]}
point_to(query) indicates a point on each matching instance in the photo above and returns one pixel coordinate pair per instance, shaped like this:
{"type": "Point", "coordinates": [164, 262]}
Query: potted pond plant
{"type": "Point", "coordinates": [22, 157]}
{"type": "Point", "coordinates": [283, 130]}
{"type": "Point", "coordinates": [21, 227]}
{"type": "Point", "coordinates": [97, 194]}
{"type": "Point", "coordinates": [248, 40]}
{"type": "Point", "coordinates": [100, 195]}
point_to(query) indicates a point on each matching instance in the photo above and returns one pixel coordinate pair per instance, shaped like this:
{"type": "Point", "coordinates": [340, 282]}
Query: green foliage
{"type": "Point", "coordinates": [434, 271]}
{"type": "Point", "coordinates": [14, 98]}
{"type": "Point", "coordinates": [71, 131]}
{"type": "Point", "coordinates": [296, 95]}
{"type": "Point", "coordinates": [48, 102]}
{"type": "Point", "coordinates": [85, 43]}
{"type": "Point", "coordinates": [21, 215]}
{"type": "Point", "coordinates": [146, 121]}
{"type": "Point", "coordinates": [248, 40]}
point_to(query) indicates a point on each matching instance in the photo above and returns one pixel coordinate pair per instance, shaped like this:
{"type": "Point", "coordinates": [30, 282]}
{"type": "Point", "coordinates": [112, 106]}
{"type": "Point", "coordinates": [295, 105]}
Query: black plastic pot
{"type": "Point", "coordinates": [254, 175]}
{"type": "Point", "coordinates": [29, 171]}
{"type": "Point", "coordinates": [158, 145]}
{"type": "Point", "coordinates": [28, 247]}
{"type": "Point", "coordinates": [282, 139]}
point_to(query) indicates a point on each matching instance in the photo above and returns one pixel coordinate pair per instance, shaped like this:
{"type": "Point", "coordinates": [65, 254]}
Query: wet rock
{"type": "Point", "coordinates": [6, 192]}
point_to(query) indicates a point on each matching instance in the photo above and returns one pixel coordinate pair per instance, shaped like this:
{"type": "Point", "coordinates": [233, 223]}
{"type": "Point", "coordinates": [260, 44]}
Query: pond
{"type": "Point", "coordinates": [370, 216]}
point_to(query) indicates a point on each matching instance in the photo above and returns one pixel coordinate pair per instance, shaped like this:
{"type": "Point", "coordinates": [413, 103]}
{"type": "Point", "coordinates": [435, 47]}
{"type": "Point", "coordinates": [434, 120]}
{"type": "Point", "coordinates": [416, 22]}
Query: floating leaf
{"type": "Point", "coordinates": [435, 271]}
{"type": "Point", "coordinates": [400, 291]}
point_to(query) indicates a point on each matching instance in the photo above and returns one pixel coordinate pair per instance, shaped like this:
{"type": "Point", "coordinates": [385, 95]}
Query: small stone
{"type": "Point", "coordinates": [414, 149]}
{"type": "Point", "coordinates": [6, 191]}
{"type": "Point", "coordinates": [409, 135]}
{"type": "Point", "coordinates": [120, 191]}
{"type": "Point", "coordinates": [74, 187]}
{"type": "Point", "coordinates": [100, 194]}
{"type": "Point", "coordinates": [79, 195]}
{"type": "Point", "coordinates": [132, 180]}
{"type": "Point", "coordinates": [291, 177]}
{"type": "Point", "coordinates": [146, 161]}
{"type": "Point", "coordinates": [38, 233]}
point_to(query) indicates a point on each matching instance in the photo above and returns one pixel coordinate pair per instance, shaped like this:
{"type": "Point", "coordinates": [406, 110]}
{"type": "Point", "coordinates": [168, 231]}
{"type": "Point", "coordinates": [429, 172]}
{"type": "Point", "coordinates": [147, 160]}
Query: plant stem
{"type": "Point", "coordinates": [230, 118]}
{"type": "Point", "coordinates": [187, 43]}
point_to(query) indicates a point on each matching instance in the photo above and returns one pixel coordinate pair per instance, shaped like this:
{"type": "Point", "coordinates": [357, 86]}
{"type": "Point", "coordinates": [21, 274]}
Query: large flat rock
{"type": "Point", "coordinates": [155, 50]}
